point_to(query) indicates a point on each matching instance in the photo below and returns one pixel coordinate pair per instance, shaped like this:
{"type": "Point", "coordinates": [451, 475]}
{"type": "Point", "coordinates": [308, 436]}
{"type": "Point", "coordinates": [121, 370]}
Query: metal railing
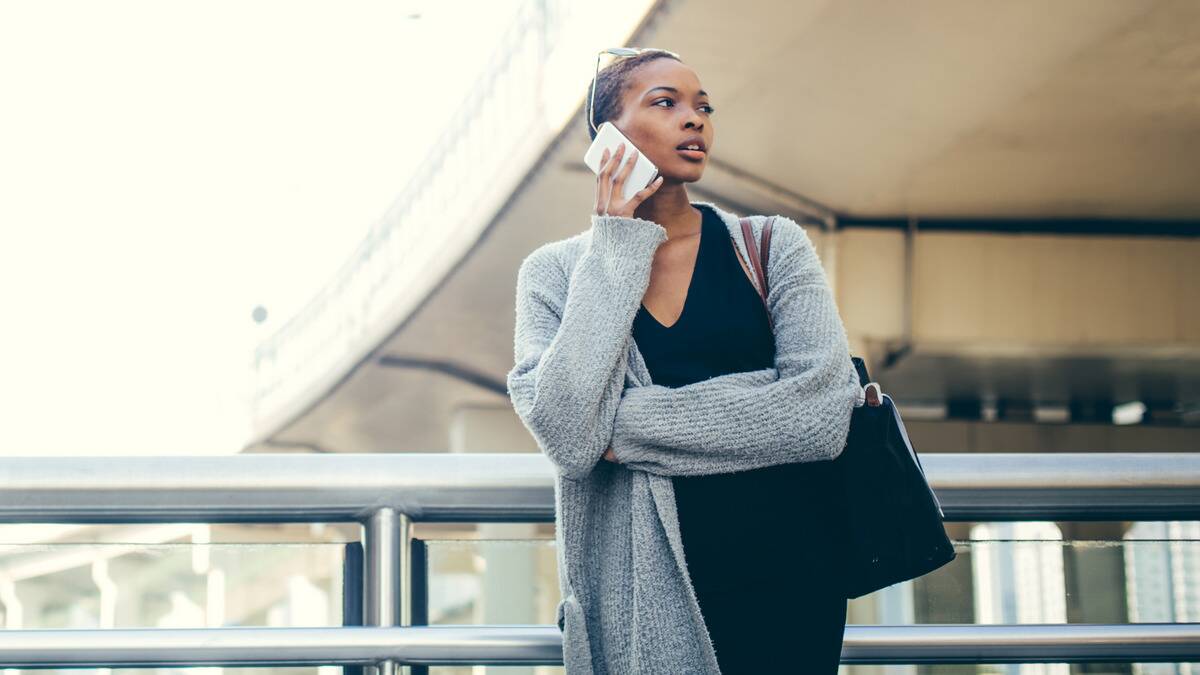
{"type": "Point", "coordinates": [541, 645]}
{"type": "Point", "coordinates": [387, 493]}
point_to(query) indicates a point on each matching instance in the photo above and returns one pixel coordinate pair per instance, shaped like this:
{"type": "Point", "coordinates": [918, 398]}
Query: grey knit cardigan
{"type": "Point", "coordinates": [580, 385]}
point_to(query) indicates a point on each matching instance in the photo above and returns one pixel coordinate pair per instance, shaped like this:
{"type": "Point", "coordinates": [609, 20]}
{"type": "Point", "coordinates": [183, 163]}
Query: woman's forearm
{"type": "Point", "coordinates": [570, 354]}
{"type": "Point", "coordinates": [736, 422]}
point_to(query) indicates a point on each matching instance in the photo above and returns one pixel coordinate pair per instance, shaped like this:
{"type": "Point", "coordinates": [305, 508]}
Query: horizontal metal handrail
{"type": "Point", "coordinates": [542, 645]}
{"type": "Point", "coordinates": [386, 492]}
{"type": "Point", "coordinates": [519, 487]}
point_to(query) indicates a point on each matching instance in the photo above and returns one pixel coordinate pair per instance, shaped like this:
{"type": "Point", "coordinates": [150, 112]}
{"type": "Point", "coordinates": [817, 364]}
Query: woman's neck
{"type": "Point", "coordinates": [669, 207]}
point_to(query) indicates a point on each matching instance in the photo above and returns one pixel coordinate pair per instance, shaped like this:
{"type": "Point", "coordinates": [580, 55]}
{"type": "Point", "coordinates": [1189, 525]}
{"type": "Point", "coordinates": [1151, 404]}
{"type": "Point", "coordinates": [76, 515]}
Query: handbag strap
{"type": "Point", "coordinates": [759, 263]}
{"type": "Point", "coordinates": [760, 270]}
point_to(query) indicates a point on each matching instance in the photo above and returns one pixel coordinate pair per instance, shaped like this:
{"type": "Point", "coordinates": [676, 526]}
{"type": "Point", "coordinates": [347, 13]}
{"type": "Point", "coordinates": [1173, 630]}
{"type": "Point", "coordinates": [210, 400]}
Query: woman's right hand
{"type": "Point", "coordinates": [610, 185]}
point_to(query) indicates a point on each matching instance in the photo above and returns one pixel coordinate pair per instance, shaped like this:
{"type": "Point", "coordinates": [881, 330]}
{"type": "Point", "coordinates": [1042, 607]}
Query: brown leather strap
{"type": "Point", "coordinates": [759, 263]}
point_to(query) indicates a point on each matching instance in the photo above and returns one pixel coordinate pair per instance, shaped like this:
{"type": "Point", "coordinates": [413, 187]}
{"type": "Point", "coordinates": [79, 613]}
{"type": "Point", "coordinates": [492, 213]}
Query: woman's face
{"type": "Point", "coordinates": [658, 120]}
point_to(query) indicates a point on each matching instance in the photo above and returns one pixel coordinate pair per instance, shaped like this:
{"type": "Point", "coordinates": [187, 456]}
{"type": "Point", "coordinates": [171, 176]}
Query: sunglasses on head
{"type": "Point", "coordinates": [618, 52]}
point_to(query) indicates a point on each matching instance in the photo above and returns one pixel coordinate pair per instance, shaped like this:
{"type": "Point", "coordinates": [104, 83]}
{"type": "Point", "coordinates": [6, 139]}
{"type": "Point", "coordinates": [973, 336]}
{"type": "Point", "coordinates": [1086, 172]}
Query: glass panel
{"type": "Point", "coordinates": [490, 581]}
{"type": "Point", "coordinates": [1005, 573]}
{"type": "Point", "coordinates": [170, 585]}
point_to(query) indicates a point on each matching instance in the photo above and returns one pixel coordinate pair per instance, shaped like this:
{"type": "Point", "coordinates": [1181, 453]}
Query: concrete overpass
{"type": "Point", "coordinates": [1004, 196]}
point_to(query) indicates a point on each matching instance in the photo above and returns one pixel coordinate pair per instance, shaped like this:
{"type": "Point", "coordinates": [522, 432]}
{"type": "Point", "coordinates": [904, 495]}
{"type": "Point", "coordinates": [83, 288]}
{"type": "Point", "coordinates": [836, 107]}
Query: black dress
{"type": "Point", "coordinates": [765, 586]}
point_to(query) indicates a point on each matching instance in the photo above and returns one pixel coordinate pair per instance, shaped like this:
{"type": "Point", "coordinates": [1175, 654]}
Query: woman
{"type": "Point", "coordinates": [644, 340]}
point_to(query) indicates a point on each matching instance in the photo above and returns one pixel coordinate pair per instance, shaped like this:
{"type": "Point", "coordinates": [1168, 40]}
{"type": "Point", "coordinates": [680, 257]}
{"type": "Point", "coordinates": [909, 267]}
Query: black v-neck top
{"type": "Point", "coordinates": [747, 521]}
{"type": "Point", "coordinates": [723, 327]}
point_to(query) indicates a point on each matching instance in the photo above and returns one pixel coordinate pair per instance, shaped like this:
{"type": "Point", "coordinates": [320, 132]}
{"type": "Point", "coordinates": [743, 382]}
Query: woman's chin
{"type": "Point", "coordinates": [687, 174]}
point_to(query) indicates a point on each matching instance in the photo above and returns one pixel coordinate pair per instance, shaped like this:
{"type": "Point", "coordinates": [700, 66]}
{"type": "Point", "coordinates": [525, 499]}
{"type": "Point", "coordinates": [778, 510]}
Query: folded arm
{"type": "Point", "coordinates": [798, 411]}
{"type": "Point", "coordinates": [571, 339]}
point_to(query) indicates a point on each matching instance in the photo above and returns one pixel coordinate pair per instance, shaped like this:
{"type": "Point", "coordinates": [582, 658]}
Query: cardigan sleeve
{"type": "Point", "coordinates": [798, 411]}
{"type": "Point", "coordinates": [571, 339]}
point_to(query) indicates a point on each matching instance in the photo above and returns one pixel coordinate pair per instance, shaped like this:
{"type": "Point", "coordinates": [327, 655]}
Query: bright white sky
{"type": "Point", "coordinates": [167, 166]}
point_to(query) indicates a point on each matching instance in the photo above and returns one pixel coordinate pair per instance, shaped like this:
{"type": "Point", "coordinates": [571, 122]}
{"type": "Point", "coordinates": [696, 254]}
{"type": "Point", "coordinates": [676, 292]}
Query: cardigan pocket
{"type": "Point", "coordinates": [577, 650]}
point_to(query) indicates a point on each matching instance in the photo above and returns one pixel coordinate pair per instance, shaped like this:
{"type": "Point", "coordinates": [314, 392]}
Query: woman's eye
{"type": "Point", "coordinates": [711, 109]}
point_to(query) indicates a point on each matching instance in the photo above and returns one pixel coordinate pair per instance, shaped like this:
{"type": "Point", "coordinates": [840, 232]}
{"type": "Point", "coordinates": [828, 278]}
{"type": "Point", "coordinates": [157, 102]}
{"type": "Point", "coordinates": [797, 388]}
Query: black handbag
{"type": "Point", "coordinates": [893, 529]}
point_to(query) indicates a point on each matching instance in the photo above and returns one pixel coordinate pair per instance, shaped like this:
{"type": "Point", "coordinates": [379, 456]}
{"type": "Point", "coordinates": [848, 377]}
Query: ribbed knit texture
{"type": "Point", "coordinates": [580, 386]}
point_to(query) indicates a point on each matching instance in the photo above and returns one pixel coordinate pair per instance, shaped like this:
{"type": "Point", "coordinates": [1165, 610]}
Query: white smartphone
{"type": "Point", "coordinates": [608, 136]}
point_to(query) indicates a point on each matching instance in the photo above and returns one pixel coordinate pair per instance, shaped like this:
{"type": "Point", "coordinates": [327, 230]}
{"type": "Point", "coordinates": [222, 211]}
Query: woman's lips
{"type": "Point", "coordinates": [694, 155]}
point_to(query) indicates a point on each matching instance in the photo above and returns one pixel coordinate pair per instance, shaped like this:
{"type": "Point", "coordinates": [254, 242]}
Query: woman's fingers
{"type": "Point", "coordinates": [600, 197]}
{"type": "Point", "coordinates": [601, 183]}
{"type": "Point", "coordinates": [604, 178]}
{"type": "Point", "coordinates": [610, 183]}
{"type": "Point", "coordinates": [644, 194]}
{"type": "Point", "coordinates": [626, 169]}
{"type": "Point", "coordinates": [615, 159]}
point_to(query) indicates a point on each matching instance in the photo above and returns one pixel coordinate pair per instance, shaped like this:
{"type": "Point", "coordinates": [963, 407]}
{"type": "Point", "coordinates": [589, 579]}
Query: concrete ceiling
{"type": "Point", "coordinates": [1084, 108]}
{"type": "Point", "coordinates": [957, 109]}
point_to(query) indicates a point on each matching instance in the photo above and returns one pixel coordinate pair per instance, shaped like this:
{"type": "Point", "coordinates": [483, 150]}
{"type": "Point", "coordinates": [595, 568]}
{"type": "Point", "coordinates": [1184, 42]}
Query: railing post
{"type": "Point", "coordinates": [388, 575]}
{"type": "Point", "coordinates": [353, 567]}
{"type": "Point", "coordinates": [418, 597]}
